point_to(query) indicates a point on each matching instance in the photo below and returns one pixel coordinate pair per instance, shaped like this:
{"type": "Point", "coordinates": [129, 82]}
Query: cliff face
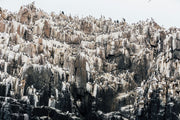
{"type": "Point", "coordinates": [63, 67]}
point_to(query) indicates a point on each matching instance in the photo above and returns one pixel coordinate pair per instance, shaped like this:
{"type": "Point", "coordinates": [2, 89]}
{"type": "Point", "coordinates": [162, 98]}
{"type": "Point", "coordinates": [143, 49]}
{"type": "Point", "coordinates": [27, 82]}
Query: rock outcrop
{"type": "Point", "coordinates": [62, 67]}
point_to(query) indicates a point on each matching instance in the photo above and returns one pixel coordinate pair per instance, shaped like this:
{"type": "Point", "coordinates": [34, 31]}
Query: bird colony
{"type": "Point", "coordinates": [58, 66]}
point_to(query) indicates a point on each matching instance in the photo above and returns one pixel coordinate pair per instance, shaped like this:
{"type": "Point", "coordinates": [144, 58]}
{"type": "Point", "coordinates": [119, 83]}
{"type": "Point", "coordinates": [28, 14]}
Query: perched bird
{"type": "Point", "coordinates": [124, 20]}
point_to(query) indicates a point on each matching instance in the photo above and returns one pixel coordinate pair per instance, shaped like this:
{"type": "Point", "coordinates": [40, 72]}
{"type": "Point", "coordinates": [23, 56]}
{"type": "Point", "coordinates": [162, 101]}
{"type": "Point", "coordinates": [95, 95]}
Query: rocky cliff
{"type": "Point", "coordinates": [55, 66]}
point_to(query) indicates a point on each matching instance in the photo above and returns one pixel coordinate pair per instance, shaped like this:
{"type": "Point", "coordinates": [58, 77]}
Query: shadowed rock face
{"type": "Point", "coordinates": [63, 67]}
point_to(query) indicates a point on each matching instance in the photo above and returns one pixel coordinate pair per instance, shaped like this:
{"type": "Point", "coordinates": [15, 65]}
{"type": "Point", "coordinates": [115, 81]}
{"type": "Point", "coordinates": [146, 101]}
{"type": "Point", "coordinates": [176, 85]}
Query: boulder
{"type": "Point", "coordinates": [47, 29]}
{"type": "Point", "coordinates": [2, 26]}
{"type": "Point", "coordinates": [25, 15]}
